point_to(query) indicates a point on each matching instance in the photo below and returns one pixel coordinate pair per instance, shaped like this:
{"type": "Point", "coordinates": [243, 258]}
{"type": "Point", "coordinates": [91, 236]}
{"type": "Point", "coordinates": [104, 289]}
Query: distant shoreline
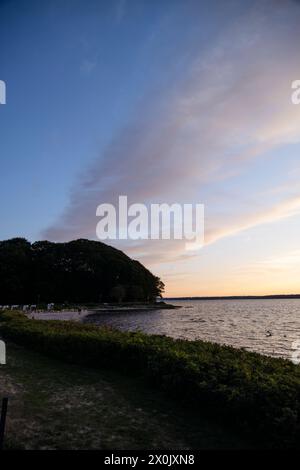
{"type": "Point", "coordinates": [238, 297]}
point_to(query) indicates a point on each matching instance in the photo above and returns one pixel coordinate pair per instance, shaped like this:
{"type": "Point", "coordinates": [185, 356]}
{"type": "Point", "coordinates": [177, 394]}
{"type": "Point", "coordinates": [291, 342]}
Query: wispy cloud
{"type": "Point", "coordinates": [285, 209]}
{"type": "Point", "coordinates": [230, 106]}
{"type": "Point", "coordinates": [87, 66]}
{"type": "Point", "coordinates": [120, 10]}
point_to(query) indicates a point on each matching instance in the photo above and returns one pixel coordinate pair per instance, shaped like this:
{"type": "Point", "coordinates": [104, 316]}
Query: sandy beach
{"type": "Point", "coordinates": [75, 315]}
{"type": "Point", "coordinates": [67, 315]}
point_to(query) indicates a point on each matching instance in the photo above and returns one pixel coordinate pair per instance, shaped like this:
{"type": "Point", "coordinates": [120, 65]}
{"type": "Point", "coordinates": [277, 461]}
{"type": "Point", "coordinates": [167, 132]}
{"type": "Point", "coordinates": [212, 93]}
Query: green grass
{"type": "Point", "coordinates": [54, 405]}
{"type": "Point", "coordinates": [257, 394]}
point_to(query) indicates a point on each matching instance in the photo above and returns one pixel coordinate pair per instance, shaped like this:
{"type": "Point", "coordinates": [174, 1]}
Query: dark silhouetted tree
{"type": "Point", "coordinates": [78, 271]}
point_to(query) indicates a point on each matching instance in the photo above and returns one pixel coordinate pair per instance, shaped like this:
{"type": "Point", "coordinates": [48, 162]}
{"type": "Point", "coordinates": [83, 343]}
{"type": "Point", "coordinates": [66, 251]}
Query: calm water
{"type": "Point", "coordinates": [266, 326]}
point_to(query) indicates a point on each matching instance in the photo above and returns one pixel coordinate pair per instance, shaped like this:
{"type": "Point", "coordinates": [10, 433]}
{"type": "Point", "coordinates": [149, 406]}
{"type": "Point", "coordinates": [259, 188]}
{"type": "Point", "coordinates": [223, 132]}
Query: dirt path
{"type": "Point", "coordinates": [59, 406]}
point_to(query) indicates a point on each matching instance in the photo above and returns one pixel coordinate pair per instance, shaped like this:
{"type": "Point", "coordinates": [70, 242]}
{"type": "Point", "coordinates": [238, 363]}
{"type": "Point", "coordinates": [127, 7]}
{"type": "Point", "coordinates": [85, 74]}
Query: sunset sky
{"type": "Point", "coordinates": [176, 101]}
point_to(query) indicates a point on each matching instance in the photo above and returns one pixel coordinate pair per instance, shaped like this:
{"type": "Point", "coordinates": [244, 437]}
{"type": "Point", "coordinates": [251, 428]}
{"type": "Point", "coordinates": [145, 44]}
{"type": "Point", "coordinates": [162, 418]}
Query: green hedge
{"type": "Point", "coordinates": [259, 393]}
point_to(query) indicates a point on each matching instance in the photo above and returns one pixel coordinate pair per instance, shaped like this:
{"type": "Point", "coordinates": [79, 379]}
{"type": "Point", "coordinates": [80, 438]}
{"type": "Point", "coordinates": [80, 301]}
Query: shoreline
{"type": "Point", "coordinates": [229, 383]}
{"type": "Point", "coordinates": [79, 314]}
{"type": "Point", "coordinates": [238, 297]}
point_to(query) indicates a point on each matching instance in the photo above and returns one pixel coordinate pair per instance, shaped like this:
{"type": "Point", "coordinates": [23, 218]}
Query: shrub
{"type": "Point", "coordinates": [258, 393]}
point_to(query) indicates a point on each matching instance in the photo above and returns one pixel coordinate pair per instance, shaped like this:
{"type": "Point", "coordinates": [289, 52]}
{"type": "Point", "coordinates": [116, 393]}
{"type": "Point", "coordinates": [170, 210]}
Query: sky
{"type": "Point", "coordinates": [163, 101]}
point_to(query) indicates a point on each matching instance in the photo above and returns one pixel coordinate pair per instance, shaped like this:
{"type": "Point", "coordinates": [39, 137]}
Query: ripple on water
{"type": "Point", "coordinates": [239, 323]}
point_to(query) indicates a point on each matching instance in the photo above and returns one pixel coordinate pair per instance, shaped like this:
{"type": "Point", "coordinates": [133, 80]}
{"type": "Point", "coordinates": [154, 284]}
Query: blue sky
{"type": "Point", "coordinates": [176, 101]}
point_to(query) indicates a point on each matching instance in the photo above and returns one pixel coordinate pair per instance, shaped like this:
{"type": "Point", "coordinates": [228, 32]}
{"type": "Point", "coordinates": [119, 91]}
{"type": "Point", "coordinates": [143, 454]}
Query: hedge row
{"type": "Point", "coordinates": [259, 393]}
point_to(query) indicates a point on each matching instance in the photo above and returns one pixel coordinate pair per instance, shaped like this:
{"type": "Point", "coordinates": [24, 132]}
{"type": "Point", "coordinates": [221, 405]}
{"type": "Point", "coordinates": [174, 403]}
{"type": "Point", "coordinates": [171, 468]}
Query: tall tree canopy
{"type": "Point", "coordinates": [77, 271]}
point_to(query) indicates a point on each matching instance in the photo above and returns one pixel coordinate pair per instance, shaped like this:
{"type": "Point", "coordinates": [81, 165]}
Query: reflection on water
{"type": "Point", "coordinates": [266, 326]}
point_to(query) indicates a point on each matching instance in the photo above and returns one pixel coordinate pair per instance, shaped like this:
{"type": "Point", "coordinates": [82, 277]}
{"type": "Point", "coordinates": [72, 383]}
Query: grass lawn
{"type": "Point", "coordinates": [54, 405]}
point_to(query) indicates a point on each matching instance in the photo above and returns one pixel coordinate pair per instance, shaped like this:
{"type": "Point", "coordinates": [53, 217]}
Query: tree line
{"type": "Point", "coordinates": [79, 271]}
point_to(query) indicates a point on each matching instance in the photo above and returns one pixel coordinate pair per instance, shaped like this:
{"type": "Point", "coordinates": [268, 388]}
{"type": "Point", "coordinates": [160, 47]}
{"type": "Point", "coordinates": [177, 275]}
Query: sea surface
{"type": "Point", "coordinates": [267, 326]}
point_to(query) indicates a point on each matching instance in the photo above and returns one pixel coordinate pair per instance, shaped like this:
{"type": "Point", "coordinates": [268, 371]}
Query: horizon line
{"type": "Point", "coordinates": [232, 297]}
